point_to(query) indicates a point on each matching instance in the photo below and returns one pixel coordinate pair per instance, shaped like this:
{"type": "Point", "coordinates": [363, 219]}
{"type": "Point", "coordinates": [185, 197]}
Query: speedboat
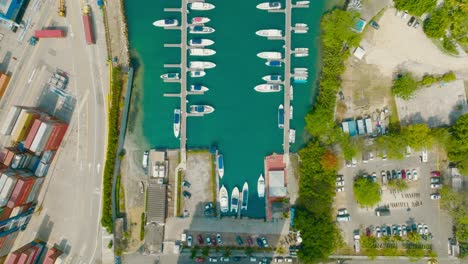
{"type": "Point", "coordinates": [245, 196]}
{"type": "Point", "coordinates": [223, 199]}
{"type": "Point", "coordinates": [273, 63]}
{"type": "Point", "coordinates": [176, 126]}
{"type": "Point", "coordinates": [261, 186]}
{"type": "Point", "coordinates": [300, 31]}
{"type": "Point", "coordinates": [220, 162]}
{"type": "Point", "coordinates": [201, 52]}
{"type": "Point", "coordinates": [168, 22]}
{"type": "Point", "coordinates": [198, 88]}
{"type": "Point", "coordinates": [291, 112]}
{"type": "Point", "coordinates": [269, 33]}
{"type": "Point", "coordinates": [201, 6]}
{"type": "Point", "coordinates": [292, 136]}
{"type": "Point", "coordinates": [235, 200]}
{"type": "Point", "coordinates": [170, 76]}
{"type": "Point", "coordinates": [300, 79]}
{"type": "Point", "coordinates": [272, 78]}
{"type": "Point", "coordinates": [268, 88]}
{"type": "Point", "coordinates": [201, 65]}
{"type": "Point", "coordinates": [201, 30]}
{"type": "Point", "coordinates": [201, 109]}
{"type": "Point", "coordinates": [198, 42]}
{"type": "Point", "coordinates": [300, 25]}
{"type": "Point", "coordinates": [280, 116]}
{"type": "Point", "coordinates": [301, 49]}
{"type": "Point", "coordinates": [291, 91]}
{"type": "Point", "coordinates": [270, 55]}
{"type": "Point", "coordinates": [200, 20]}
{"type": "Point", "coordinates": [302, 54]}
{"type": "Point", "coordinates": [296, 70]}
{"type": "Point", "coordinates": [269, 6]}
{"type": "Point", "coordinates": [144, 163]}
{"type": "Point", "coordinates": [302, 2]}
{"type": "Point", "coordinates": [197, 73]}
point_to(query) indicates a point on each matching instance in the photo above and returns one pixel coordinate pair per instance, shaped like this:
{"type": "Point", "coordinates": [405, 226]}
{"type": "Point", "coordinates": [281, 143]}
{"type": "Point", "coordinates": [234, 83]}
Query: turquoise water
{"type": "Point", "coordinates": [244, 125]}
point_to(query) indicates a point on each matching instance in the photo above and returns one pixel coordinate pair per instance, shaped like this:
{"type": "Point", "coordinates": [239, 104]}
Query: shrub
{"type": "Point", "coordinates": [366, 192]}
{"type": "Point", "coordinates": [404, 85]}
{"type": "Point", "coordinates": [449, 46]}
{"type": "Point", "coordinates": [437, 23]}
{"type": "Point", "coordinates": [415, 7]}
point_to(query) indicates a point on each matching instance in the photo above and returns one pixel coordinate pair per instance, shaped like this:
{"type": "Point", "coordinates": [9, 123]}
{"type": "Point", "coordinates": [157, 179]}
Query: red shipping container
{"type": "Point", "coordinates": [32, 133]}
{"type": "Point", "coordinates": [6, 213]}
{"type": "Point", "coordinates": [25, 256]}
{"type": "Point", "coordinates": [88, 29]}
{"type": "Point", "coordinates": [56, 136]}
{"type": "Point", "coordinates": [9, 157]}
{"type": "Point", "coordinates": [3, 154]}
{"type": "Point", "coordinates": [2, 240]}
{"type": "Point", "coordinates": [52, 255]}
{"type": "Point", "coordinates": [21, 191]}
{"type": "Point", "coordinates": [15, 255]}
{"type": "Point", "coordinates": [49, 33]}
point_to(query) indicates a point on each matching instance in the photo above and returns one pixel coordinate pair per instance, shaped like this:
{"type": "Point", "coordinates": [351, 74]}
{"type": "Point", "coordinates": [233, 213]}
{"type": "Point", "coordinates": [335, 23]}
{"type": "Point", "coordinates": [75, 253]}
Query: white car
{"type": "Point", "coordinates": [278, 259]}
{"type": "Point", "coordinates": [348, 164]}
{"type": "Point", "coordinates": [435, 180]}
{"type": "Point", "coordinates": [424, 155]}
{"type": "Point", "coordinates": [371, 156]}
{"type": "Point", "coordinates": [342, 211]}
{"type": "Point", "coordinates": [340, 189]}
{"type": "Point", "coordinates": [435, 196]}
{"type": "Point", "coordinates": [404, 16]}
{"type": "Point", "coordinates": [403, 230]}
{"type": "Point", "coordinates": [288, 259]}
{"type": "Point", "coordinates": [353, 162]}
{"type": "Point", "coordinates": [435, 185]}
{"type": "Point", "coordinates": [415, 175]}
{"type": "Point", "coordinates": [426, 230]}
{"type": "Point", "coordinates": [420, 229]}
{"type": "Point", "coordinates": [377, 231]}
{"type": "Point", "coordinates": [339, 178]}
{"type": "Point", "coordinates": [340, 183]}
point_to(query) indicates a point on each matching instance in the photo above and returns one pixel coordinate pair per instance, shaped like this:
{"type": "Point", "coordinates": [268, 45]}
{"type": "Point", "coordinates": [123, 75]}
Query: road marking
{"type": "Point", "coordinates": [71, 31]}
{"type": "Point", "coordinates": [98, 168]}
{"type": "Point", "coordinates": [31, 77]}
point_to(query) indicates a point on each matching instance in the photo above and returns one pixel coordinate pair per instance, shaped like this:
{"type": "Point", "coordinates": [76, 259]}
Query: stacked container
{"type": "Point", "coordinates": [28, 254]}
{"type": "Point", "coordinates": [23, 124]}
{"type": "Point", "coordinates": [32, 133]}
{"type": "Point", "coordinates": [10, 120]}
{"type": "Point", "coordinates": [41, 137]}
{"type": "Point", "coordinates": [4, 80]}
{"type": "Point", "coordinates": [52, 256]}
{"type": "Point", "coordinates": [21, 191]}
{"type": "Point", "coordinates": [58, 132]}
{"type": "Point", "coordinates": [35, 190]}
{"type": "Point", "coordinates": [7, 188]}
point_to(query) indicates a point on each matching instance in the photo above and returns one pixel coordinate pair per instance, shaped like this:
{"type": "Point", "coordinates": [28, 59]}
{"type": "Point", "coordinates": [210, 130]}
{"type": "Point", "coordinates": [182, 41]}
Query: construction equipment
{"type": "Point", "coordinates": [62, 9]}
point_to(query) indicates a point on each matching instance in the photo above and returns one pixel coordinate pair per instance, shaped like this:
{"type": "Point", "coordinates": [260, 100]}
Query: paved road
{"type": "Point", "coordinates": [72, 192]}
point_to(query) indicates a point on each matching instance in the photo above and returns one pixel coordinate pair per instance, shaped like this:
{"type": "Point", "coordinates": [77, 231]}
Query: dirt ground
{"type": "Point", "coordinates": [118, 32]}
{"type": "Point", "coordinates": [198, 174]}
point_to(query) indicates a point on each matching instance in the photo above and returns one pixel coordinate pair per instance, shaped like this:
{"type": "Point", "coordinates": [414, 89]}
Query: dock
{"type": "Point", "coordinates": [287, 77]}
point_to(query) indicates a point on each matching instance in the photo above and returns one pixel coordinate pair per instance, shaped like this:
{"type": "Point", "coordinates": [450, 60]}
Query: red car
{"type": "Point", "coordinates": [435, 173]}
{"type": "Point", "coordinates": [403, 174]}
{"type": "Point", "coordinates": [213, 241]}
{"type": "Point", "coordinates": [199, 259]}
{"type": "Point", "coordinates": [200, 239]}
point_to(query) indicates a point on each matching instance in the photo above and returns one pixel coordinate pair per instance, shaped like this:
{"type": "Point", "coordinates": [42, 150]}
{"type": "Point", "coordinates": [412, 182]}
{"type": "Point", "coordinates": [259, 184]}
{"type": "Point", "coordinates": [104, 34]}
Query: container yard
{"type": "Point", "coordinates": [30, 253]}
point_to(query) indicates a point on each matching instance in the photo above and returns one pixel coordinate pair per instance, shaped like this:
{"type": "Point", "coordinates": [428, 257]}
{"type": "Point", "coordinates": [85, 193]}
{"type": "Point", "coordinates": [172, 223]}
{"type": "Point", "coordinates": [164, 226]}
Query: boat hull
{"type": "Point", "coordinates": [202, 52]}
{"type": "Point", "coordinates": [200, 20]}
{"type": "Point", "coordinates": [163, 23]}
{"type": "Point", "coordinates": [197, 74]}
{"type": "Point", "coordinates": [176, 125]}
{"type": "Point", "coordinates": [198, 89]}
{"type": "Point", "coordinates": [261, 186]}
{"type": "Point", "coordinates": [195, 109]}
{"type": "Point", "coordinates": [201, 6]}
{"type": "Point", "coordinates": [166, 76]}
{"type": "Point", "coordinates": [204, 30]}
{"type": "Point", "coordinates": [270, 55]}
{"type": "Point", "coordinates": [201, 43]}
{"type": "Point", "coordinates": [235, 200]}
{"type": "Point", "coordinates": [220, 164]}
{"type": "Point", "coordinates": [267, 88]}
{"type": "Point", "coordinates": [272, 79]}
{"type": "Point", "coordinates": [281, 116]}
{"type": "Point", "coordinates": [245, 196]}
{"type": "Point", "coordinates": [201, 65]}
{"type": "Point", "coordinates": [269, 6]}
{"type": "Point", "coordinates": [269, 33]}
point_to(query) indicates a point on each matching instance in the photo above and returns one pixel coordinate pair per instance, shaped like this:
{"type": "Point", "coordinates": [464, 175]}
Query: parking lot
{"type": "Point", "coordinates": [412, 207]}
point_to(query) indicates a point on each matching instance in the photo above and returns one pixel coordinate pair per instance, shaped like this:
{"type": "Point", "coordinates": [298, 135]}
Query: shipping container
{"type": "Point", "coordinates": [35, 190]}
{"type": "Point", "coordinates": [7, 190]}
{"type": "Point", "coordinates": [49, 33]}
{"type": "Point", "coordinates": [3, 154]}
{"type": "Point", "coordinates": [41, 170]}
{"type": "Point", "coordinates": [32, 133]}
{"type": "Point", "coordinates": [6, 213]}
{"type": "Point", "coordinates": [40, 249]}
{"type": "Point", "coordinates": [21, 191]}
{"type": "Point", "coordinates": [47, 156]}
{"type": "Point", "coordinates": [41, 137]}
{"type": "Point", "coordinates": [10, 120]}
{"type": "Point", "coordinates": [8, 245]}
{"type": "Point", "coordinates": [55, 139]}
{"type": "Point", "coordinates": [4, 80]}
{"type": "Point", "coordinates": [33, 163]}
{"type": "Point", "coordinates": [3, 179]}
{"type": "Point", "coordinates": [9, 157]}
{"type": "Point", "coordinates": [52, 255]}
{"type": "Point", "coordinates": [88, 27]}
{"type": "Point", "coordinates": [23, 125]}
{"type": "Point", "coordinates": [2, 240]}
{"type": "Point", "coordinates": [17, 160]}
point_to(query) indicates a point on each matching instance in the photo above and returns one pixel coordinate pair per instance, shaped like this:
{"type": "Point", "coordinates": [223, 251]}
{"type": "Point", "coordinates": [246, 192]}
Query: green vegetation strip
{"type": "Point", "coordinates": [112, 140]}
{"type": "Point", "coordinates": [142, 226]}
{"type": "Point", "coordinates": [179, 190]}
{"type": "Point", "coordinates": [405, 85]}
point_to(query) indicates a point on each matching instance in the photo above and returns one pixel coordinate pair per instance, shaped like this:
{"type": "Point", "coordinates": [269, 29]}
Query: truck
{"type": "Point", "coordinates": [88, 28]}
{"type": "Point", "coordinates": [49, 33]}
{"type": "Point", "coordinates": [382, 212]}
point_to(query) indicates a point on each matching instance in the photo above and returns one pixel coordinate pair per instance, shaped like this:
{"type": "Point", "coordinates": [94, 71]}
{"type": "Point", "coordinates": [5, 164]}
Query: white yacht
{"type": "Point", "coordinates": [200, 20]}
{"type": "Point", "coordinates": [269, 6]}
{"type": "Point", "coordinates": [220, 163]}
{"type": "Point", "coordinates": [170, 76]}
{"type": "Point", "coordinates": [198, 88]}
{"type": "Point", "coordinates": [235, 200]}
{"type": "Point", "coordinates": [200, 6]}
{"type": "Point", "coordinates": [270, 55]}
{"type": "Point", "coordinates": [292, 136]}
{"type": "Point", "coordinates": [268, 88]}
{"type": "Point", "coordinates": [201, 30]}
{"type": "Point", "coordinates": [302, 2]}
{"type": "Point", "coordinates": [269, 33]}
{"type": "Point", "coordinates": [201, 109]}
{"type": "Point", "coordinates": [176, 126]}
{"type": "Point", "coordinates": [199, 42]}
{"type": "Point", "coordinates": [301, 54]}
{"type": "Point", "coordinates": [245, 196]}
{"type": "Point", "coordinates": [201, 52]}
{"type": "Point", "coordinates": [197, 73]}
{"type": "Point", "coordinates": [272, 78]}
{"type": "Point", "coordinates": [223, 199]}
{"type": "Point", "coordinates": [201, 65]}
{"type": "Point", "coordinates": [300, 25]}
{"type": "Point", "coordinates": [261, 186]}
{"type": "Point", "coordinates": [291, 112]}
{"type": "Point", "coordinates": [168, 22]}
{"type": "Point", "coordinates": [300, 31]}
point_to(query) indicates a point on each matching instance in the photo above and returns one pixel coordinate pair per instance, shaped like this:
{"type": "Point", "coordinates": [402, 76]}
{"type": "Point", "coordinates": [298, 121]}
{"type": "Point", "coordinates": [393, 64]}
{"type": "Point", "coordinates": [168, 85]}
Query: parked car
{"type": "Point", "coordinates": [403, 174]}
{"type": "Point", "coordinates": [189, 240]}
{"type": "Point", "coordinates": [265, 242]}
{"type": "Point", "coordinates": [415, 175]}
{"type": "Point", "coordinates": [236, 258]}
{"type": "Point", "coordinates": [213, 240]}
{"type": "Point", "coordinates": [208, 240]}
{"type": "Point", "coordinates": [435, 179]}
{"type": "Point", "coordinates": [186, 184]}
{"type": "Point", "coordinates": [426, 229]}
{"type": "Point", "coordinates": [405, 15]}
{"type": "Point", "coordinates": [420, 229]}
{"type": "Point", "coordinates": [411, 21]}
{"type": "Point", "coordinates": [377, 231]}
{"type": "Point", "coordinates": [389, 175]}
{"type": "Point", "coordinates": [435, 173]}
{"type": "Point", "coordinates": [394, 174]}
{"type": "Point", "coordinates": [371, 154]}
{"type": "Point", "coordinates": [340, 189]}
{"type": "Point", "coordinates": [199, 259]}
{"type": "Point", "coordinates": [288, 259]}
{"type": "Point", "coordinates": [398, 174]}
{"type": "Point", "coordinates": [339, 183]}
{"type": "Point", "coordinates": [348, 164]}
{"type": "Point", "coordinates": [416, 25]}
{"type": "Point", "coordinates": [225, 259]}
{"type": "Point", "coordinates": [404, 230]}
{"type": "Point", "coordinates": [435, 196]}
{"type": "Point", "coordinates": [250, 241]}
{"type": "Point", "coordinates": [239, 241]}
{"type": "Point", "coordinates": [208, 205]}
{"type": "Point", "coordinates": [253, 259]}
{"type": "Point", "coordinates": [278, 259]}
{"type": "Point", "coordinates": [435, 185]}
{"type": "Point", "coordinates": [186, 194]}
{"type": "Point", "coordinates": [409, 175]}
{"type": "Point", "coordinates": [339, 178]}
{"type": "Point", "coordinates": [218, 239]}
{"type": "Point", "coordinates": [342, 211]}
{"type": "Point", "coordinates": [259, 242]}
{"type": "Point", "coordinates": [374, 177]}
{"type": "Point", "coordinates": [200, 239]}
{"type": "Point", "coordinates": [384, 231]}
{"type": "Point", "coordinates": [368, 232]}
{"type": "Point", "coordinates": [353, 162]}
{"type": "Point", "coordinates": [213, 259]}
{"type": "Point", "coordinates": [389, 231]}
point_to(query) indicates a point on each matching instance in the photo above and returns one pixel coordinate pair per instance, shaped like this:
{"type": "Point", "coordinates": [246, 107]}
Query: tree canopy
{"type": "Point", "coordinates": [436, 23]}
{"type": "Point", "coordinates": [366, 191]}
{"type": "Point", "coordinates": [417, 136]}
{"type": "Point", "coordinates": [415, 7]}
{"type": "Point", "coordinates": [458, 145]}
{"type": "Point", "coordinates": [404, 85]}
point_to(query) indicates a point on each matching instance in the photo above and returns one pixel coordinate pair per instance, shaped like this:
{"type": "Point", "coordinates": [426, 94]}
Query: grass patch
{"type": "Point", "coordinates": [440, 44]}
{"type": "Point", "coordinates": [394, 122]}
{"type": "Point", "coordinates": [142, 226]}
{"type": "Point", "coordinates": [120, 195]}
{"type": "Point", "coordinates": [179, 190]}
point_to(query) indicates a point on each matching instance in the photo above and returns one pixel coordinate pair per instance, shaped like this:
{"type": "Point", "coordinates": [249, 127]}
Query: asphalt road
{"type": "Point", "coordinates": [71, 195]}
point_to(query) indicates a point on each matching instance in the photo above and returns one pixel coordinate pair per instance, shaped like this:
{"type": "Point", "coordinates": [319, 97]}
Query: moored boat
{"type": "Point", "coordinates": [223, 199]}
{"type": "Point", "coordinates": [201, 52]}
{"type": "Point", "coordinates": [198, 88]}
{"type": "Point", "coordinates": [300, 79]}
{"type": "Point", "coordinates": [269, 6]}
{"type": "Point", "coordinates": [291, 112]}
{"type": "Point", "coordinates": [300, 31]}
{"type": "Point", "coordinates": [292, 136]}
{"type": "Point", "coordinates": [245, 196]}
{"type": "Point", "coordinates": [272, 78]}
{"type": "Point", "coordinates": [269, 33]}
{"type": "Point", "coordinates": [201, 6]}
{"type": "Point", "coordinates": [201, 109]}
{"type": "Point", "coordinates": [200, 20]}
{"type": "Point", "coordinates": [235, 200]}
{"type": "Point", "coordinates": [291, 91]}
{"type": "Point", "coordinates": [273, 63]}
{"type": "Point", "coordinates": [168, 22]}
{"type": "Point", "coordinates": [199, 42]}
{"type": "Point", "coordinates": [302, 2]}
{"type": "Point", "coordinates": [220, 163]}
{"type": "Point", "coordinates": [170, 76]}
{"type": "Point", "coordinates": [201, 65]}
{"type": "Point", "coordinates": [197, 73]}
{"type": "Point", "coordinates": [280, 116]}
{"type": "Point", "coordinates": [270, 55]}
{"type": "Point", "coordinates": [300, 25]}
{"type": "Point", "coordinates": [144, 163]}
{"type": "Point", "coordinates": [261, 186]}
{"type": "Point", "coordinates": [301, 54]}
{"type": "Point", "coordinates": [268, 88]}
{"type": "Point", "coordinates": [201, 30]}
{"type": "Point", "coordinates": [176, 126]}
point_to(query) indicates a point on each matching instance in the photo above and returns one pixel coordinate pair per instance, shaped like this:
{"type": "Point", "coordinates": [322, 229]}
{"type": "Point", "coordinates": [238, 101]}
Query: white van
{"type": "Point", "coordinates": [424, 155]}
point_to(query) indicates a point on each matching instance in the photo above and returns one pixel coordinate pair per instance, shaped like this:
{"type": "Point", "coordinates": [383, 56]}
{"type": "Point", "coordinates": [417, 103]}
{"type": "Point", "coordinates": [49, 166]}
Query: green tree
{"type": "Point", "coordinates": [193, 252]}
{"type": "Point", "coordinates": [404, 85]}
{"type": "Point", "coordinates": [458, 146]}
{"type": "Point", "coordinates": [437, 23]}
{"type": "Point", "coordinates": [417, 136]}
{"type": "Point", "coordinates": [415, 254]}
{"type": "Point", "coordinates": [414, 237]}
{"type": "Point", "coordinates": [366, 191]}
{"type": "Point", "coordinates": [415, 7]}
{"type": "Point", "coordinates": [249, 251]}
{"type": "Point", "coordinates": [394, 144]}
{"type": "Point", "coordinates": [397, 184]}
{"type": "Point", "coordinates": [227, 252]}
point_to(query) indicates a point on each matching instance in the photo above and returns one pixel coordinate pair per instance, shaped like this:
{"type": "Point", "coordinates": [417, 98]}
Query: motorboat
{"type": "Point", "coordinates": [291, 93]}
{"type": "Point", "coordinates": [235, 200]}
{"type": "Point", "coordinates": [198, 88]}
{"type": "Point", "coordinates": [201, 65]}
{"type": "Point", "coordinates": [200, 20]}
{"type": "Point", "coordinates": [201, 30]}
{"type": "Point", "coordinates": [201, 6]}
{"type": "Point", "coordinates": [220, 163]}
{"type": "Point", "coordinates": [300, 31]}
{"type": "Point", "coordinates": [261, 186]}
{"type": "Point", "coordinates": [201, 52]}
{"type": "Point", "coordinates": [300, 79]}
{"type": "Point", "coordinates": [199, 42]}
{"type": "Point", "coordinates": [176, 126]}
{"type": "Point", "coordinates": [273, 63]}
{"type": "Point", "coordinates": [272, 78]}
{"type": "Point", "coordinates": [292, 136]}
{"type": "Point", "coordinates": [144, 163]}
{"type": "Point", "coordinates": [170, 76]}
{"type": "Point", "coordinates": [168, 22]}
{"type": "Point", "coordinates": [245, 196]}
{"type": "Point", "coordinates": [269, 33]}
{"type": "Point", "coordinates": [201, 109]}
{"type": "Point", "coordinates": [301, 49]}
{"type": "Point", "coordinates": [197, 73]}
{"type": "Point", "coordinates": [268, 88]}
{"type": "Point", "coordinates": [280, 116]}
{"type": "Point", "coordinates": [270, 55]}
{"type": "Point", "coordinates": [223, 199]}
{"type": "Point", "coordinates": [269, 6]}
{"type": "Point", "coordinates": [300, 70]}
{"type": "Point", "coordinates": [302, 54]}
{"type": "Point", "coordinates": [300, 25]}
{"type": "Point", "coordinates": [291, 108]}
{"type": "Point", "coordinates": [302, 2]}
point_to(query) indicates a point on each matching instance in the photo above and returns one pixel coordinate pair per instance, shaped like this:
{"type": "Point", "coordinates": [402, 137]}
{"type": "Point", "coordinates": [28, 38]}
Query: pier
{"type": "Point", "coordinates": [287, 77]}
